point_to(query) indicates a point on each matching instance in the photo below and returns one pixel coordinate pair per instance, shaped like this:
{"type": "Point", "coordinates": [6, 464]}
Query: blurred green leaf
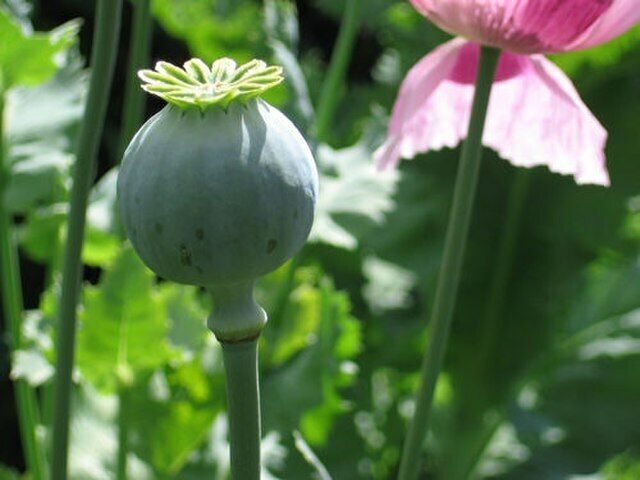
{"type": "Point", "coordinates": [123, 326]}
{"type": "Point", "coordinates": [20, 10]}
{"type": "Point", "coordinates": [28, 58]}
{"type": "Point", "coordinates": [41, 235]}
{"type": "Point", "coordinates": [7, 473]}
{"type": "Point", "coordinates": [41, 121]}
{"type": "Point", "coordinates": [213, 29]}
{"type": "Point", "coordinates": [292, 327]}
{"type": "Point", "coordinates": [173, 416]}
{"type": "Point", "coordinates": [622, 467]}
{"type": "Point", "coordinates": [187, 318]}
{"type": "Point", "coordinates": [602, 58]}
{"type": "Point", "coordinates": [93, 439]}
{"type": "Point", "coordinates": [388, 285]}
{"type": "Point", "coordinates": [327, 359]}
{"type": "Point", "coordinates": [354, 197]}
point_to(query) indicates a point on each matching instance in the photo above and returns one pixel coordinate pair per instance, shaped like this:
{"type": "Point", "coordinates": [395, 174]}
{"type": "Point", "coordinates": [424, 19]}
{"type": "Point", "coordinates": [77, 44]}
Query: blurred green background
{"type": "Point", "coordinates": [542, 379]}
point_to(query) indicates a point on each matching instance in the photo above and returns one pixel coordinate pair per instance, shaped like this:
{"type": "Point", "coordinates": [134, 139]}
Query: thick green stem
{"type": "Point", "coordinates": [243, 396]}
{"type": "Point", "coordinates": [123, 432]}
{"type": "Point", "coordinates": [105, 49]}
{"type": "Point", "coordinates": [139, 53]}
{"type": "Point", "coordinates": [11, 290]}
{"type": "Point", "coordinates": [332, 86]}
{"type": "Point", "coordinates": [449, 277]}
{"type": "Point", "coordinates": [237, 321]}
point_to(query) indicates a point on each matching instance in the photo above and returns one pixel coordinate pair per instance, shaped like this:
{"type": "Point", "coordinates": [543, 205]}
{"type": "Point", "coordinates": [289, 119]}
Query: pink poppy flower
{"type": "Point", "coordinates": [535, 115]}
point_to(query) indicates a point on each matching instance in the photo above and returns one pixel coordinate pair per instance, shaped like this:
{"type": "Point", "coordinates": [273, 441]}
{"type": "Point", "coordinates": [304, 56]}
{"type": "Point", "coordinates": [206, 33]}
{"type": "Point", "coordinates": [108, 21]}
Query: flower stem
{"type": "Point", "coordinates": [139, 53]}
{"type": "Point", "coordinates": [11, 290]}
{"type": "Point", "coordinates": [449, 277]}
{"type": "Point", "coordinates": [243, 396]}
{"type": "Point", "coordinates": [236, 321]}
{"type": "Point", "coordinates": [332, 86]}
{"type": "Point", "coordinates": [105, 43]}
{"type": "Point", "coordinates": [123, 432]}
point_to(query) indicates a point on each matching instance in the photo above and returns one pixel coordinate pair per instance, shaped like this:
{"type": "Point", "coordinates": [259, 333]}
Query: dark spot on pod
{"type": "Point", "coordinates": [271, 245]}
{"type": "Point", "coordinates": [200, 234]}
{"type": "Point", "coordinates": [185, 256]}
{"type": "Point", "coordinates": [295, 214]}
{"type": "Point", "coordinates": [199, 270]}
{"type": "Point", "coordinates": [134, 233]}
{"type": "Point", "coordinates": [158, 228]}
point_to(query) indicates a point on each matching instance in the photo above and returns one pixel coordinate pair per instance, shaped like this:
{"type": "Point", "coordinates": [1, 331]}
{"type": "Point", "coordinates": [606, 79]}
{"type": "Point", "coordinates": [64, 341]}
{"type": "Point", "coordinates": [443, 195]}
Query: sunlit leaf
{"type": "Point", "coordinates": [187, 318]}
{"type": "Point", "coordinates": [173, 421]}
{"type": "Point", "coordinates": [336, 340]}
{"type": "Point", "coordinates": [32, 366]}
{"type": "Point", "coordinates": [354, 197]}
{"type": "Point", "coordinates": [388, 285]}
{"type": "Point", "coordinates": [28, 58]}
{"type": "Point", "coordinates": [41, 121]}
{"type": "Point", "coordinates": [123, 325]}
{"type": "Point", "coordinates": [93, 439]}
{"type": "Point", "coordinates": [622, 467]}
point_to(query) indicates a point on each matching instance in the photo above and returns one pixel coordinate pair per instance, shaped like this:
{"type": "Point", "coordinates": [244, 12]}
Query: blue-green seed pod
{"type": "Point", "coordinates": [219, 187]}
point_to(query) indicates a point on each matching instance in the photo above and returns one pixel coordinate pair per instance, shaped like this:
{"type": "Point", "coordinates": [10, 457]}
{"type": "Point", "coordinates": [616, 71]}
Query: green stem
{"type": "Point", "coordinates": [105, 43]}
{"type": "Point", "coordinates": [332, 86]}
{"type": "Point", "coordinates": [449, 277]}
{"type": "Point", "coordinates": [243, 396]}
{"type": "Point", "coordinates": [139, 53]}
{"type": "Point", "coordinates": [11, 290]}
{"type": "Point", "coordinates": [123, 433]}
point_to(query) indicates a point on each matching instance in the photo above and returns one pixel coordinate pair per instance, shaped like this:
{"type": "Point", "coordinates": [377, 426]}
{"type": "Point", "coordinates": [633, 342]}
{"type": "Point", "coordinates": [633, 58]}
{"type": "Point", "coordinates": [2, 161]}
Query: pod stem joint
{"type": "Point", "coordinates": [236, 316]}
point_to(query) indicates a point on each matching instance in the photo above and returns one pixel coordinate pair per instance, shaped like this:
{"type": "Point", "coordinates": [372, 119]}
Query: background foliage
{"type": "Point", "coordinates": [541, 380]}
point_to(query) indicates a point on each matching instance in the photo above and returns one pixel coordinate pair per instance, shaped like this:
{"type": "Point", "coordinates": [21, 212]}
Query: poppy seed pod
{"type": "Point", "coordinates": [219, 187]}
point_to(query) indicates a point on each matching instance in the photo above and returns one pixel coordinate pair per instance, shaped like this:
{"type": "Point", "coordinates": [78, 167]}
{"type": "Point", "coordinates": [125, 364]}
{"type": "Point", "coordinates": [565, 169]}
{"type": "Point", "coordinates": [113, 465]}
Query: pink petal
{"type": "Point", "coordinates": [621, 16]}
{"type": "Point", "coordinates": [521, 26]}
{"type": "Point", "coordinates": [418, 86]}
{"type": "Point", "coordinates": [535, 117]}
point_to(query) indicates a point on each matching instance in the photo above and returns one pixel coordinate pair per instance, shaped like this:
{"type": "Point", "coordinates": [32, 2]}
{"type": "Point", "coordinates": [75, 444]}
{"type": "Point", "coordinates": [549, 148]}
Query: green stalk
{"type": "Point", "coordinates": [139, 53]}
{"type": "Point", "coordinates": [123, 432]}
{"type": "Point", "coordinates": [105, 43]}
{"type": "Point", "coordinates": [449, 277]}
{"type": "Point", "coordinates": [243, 396]}
{"type": "Point", "coordinates": [11, 290]}
{"type": "Point", "coordinates": [332, 86]}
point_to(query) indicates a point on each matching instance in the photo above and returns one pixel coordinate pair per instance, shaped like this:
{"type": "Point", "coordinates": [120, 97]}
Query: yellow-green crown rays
{"type": "Point", "coordinates": [197, 85]}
